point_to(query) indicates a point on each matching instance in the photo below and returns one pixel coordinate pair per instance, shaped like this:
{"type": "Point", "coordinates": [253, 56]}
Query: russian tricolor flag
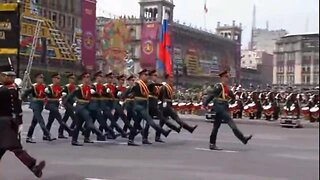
{"type": "Point", "coordinates": [164, 48]}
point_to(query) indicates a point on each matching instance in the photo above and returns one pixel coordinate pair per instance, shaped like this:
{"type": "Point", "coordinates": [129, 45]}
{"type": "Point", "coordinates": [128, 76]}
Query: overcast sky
{"type": "Point", "coordinates": [295, 16]}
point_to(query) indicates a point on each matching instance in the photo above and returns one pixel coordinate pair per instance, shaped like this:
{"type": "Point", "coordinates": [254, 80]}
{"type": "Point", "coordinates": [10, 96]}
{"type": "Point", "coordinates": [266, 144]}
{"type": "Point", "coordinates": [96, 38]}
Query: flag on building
{"type": "Point", "coordinates": [164, 48]}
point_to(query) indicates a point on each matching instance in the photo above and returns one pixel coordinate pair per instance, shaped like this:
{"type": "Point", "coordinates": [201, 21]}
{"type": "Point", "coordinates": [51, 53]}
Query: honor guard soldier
{"type": "Point", "coordinates": [166, 98]}
{"type": "Point", "coordinates": [141, 106]}
{"type": "Point", "coordinates": [109, 104]}
{"type": "Point", "coordinates": [221, 96]}
{"type": "Point", "coordinates": [53, 93]}
{"type": "Point", "coordinates": [96, 104]}
{"type": "Point", "coordinates": [154, 110]}
{"type": "Point", "coordinates": [119, 109]}
{"type": "Point", "coordinates": [129, 104]}
{"type": "Point", "coordinates": [68, 105]}
{"type": "Point", "coordinates": [82, 94]}
{"type": "Point", "coordinates": [11, 121]}
{"type": "Point", "coordinates": [38, 99]}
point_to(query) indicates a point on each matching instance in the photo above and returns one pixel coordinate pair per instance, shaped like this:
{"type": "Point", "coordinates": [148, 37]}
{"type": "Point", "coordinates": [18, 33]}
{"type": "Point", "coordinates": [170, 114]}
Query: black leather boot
{"type": "Point", "coordinates": [214, 147]}
{"type": "Point", "coordinates": [37, 169]}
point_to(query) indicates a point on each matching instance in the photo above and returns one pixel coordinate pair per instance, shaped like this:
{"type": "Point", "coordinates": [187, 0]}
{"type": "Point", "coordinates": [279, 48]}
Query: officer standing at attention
{"type": "Point", "coordinates": [221, 96]}
{"type": "Point", "coordinates": [11, 121]}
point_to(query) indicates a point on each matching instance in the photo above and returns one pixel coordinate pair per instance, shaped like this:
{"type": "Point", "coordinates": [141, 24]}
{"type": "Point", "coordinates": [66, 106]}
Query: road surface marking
{"type": "Point", "coordinates": [205, 149]}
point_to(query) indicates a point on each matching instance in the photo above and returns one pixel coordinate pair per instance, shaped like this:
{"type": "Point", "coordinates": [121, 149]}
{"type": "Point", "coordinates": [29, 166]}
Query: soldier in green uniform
{"type": "Point", "coordinates": [141, 92]}
{"type": "Point", "coordinates": [166, 99]}
{"type": "Point", "coordinates": [96, 105]}
{"type": "Point", "coordinates": [82, 95]}
{"type": "Point", "coordinates": [154, 110]}
{"type": "Point", "coordinates": [129, 103]}
{"type": "Point", "coordinates": [68, 105]}
{"type": "Point", "coordinates": [53, 93]}
{"type": "Point", "coordinates": [37, 103]}
{"type": "Point", "coordinates": [221, 96]}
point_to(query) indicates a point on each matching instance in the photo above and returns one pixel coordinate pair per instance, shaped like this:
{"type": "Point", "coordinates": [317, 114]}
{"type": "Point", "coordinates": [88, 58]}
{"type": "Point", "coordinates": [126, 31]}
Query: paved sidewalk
{"type": "Point", "coordinates": [305, 123]}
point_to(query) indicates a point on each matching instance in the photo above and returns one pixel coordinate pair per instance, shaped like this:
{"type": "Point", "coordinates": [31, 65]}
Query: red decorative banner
{"type": "Point", "coordinates": [149, 43]}
{"type": "Point", "coordinates": [88, 47]}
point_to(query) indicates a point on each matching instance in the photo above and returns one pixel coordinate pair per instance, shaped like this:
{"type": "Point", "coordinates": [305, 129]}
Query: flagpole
{"type": "Point", "coordinates": [205, 10]}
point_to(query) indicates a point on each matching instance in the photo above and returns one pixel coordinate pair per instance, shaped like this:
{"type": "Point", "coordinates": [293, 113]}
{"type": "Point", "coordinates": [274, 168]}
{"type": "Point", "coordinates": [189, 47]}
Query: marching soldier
{"type": "Point", "coordinates": [154, 110]}
{"type": "Point", "coordinates": [82, 94]}
{"type": "Point", "coordinates": [141, 92]}
{"type": "Point", "coordinates": [109, 104]}
{"type": "Point", "coordinates": [53, 93]}
{"type": "Point", "coordinates": [166, 98]}
{"type": "Point", "coordinates": [221, 96]}
{"type": "Point", "coordinates": [129, 103]}
{"type": "Point", "coordinates": [68, 105]}
{"type": "Point", "coordinates": [11, 122]}
{"type": "Point", "coordinates": [96, 104]}
{"type": "Point", "coordinates": [38, 99]}
{"type": "Point", "coordinates": [119, 110]}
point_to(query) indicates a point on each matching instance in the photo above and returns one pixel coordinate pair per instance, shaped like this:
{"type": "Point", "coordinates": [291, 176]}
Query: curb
{"type": "Point", "coordinates": [249, 122]}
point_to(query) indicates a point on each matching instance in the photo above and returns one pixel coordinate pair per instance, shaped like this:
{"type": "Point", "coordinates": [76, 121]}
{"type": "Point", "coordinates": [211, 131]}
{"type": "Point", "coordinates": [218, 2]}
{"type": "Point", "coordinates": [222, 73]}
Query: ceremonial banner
{"type": "Point", "coordinates": [88, 47]}
{"type": "Point", "coordinates": [149, 35]}
{"type": "Point", "coordinates": [9, 28]}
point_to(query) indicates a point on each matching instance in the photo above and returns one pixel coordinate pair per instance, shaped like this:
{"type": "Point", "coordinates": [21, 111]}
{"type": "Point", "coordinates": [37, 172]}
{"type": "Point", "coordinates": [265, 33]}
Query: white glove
{"type": "Point", "coordinates": [64, 94]}
{"type": "Point", "coordinates": [159, 102]}
{"type": "Point", "coordinates": [108, 90]}
{"type": "Point", "coordinates": [74, 104]}
{"type": "Point", "coordinates": [119, 94]}
{"type": "Point", "coordinates": [163, 83]}
{"type": "Point", "coordinates": [47, 90]}
{"type": "Point", "coordinates": [164, 104]}
{"type": "Point", "coordinates": [113, 111]}
{"type": "Point", "coordinates": [121, 103]}
{"type": "Point", "coordinates": [20, 128]}
{"type": "Point", "coordinates": [125, 112]}
{"type": "Point", "coordinates": [92, 91]}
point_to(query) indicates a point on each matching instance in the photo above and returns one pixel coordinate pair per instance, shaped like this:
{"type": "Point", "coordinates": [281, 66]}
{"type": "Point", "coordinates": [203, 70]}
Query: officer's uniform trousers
{"type": "Point", "coordinates": [154, 110]}
{"type": "Point", "coordinates": [37, 108]}
{"type": "Point", "coordinates": [53, 107]}
{"type": "Point", "coordinates": [222, 113]}
{"type": "Point", "coordinates": [83, 116]}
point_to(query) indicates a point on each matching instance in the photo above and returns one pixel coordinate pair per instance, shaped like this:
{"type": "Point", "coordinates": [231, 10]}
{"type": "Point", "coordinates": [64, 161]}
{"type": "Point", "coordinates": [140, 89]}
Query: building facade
{"type": "Point", "coordinates": [256, 68]}
{"type": "Point", "coordinates": [296, 60]}
{"type": "Point", "coordinates": [265, 39]}
{"type": "Point", "coordinates": [197, 55]}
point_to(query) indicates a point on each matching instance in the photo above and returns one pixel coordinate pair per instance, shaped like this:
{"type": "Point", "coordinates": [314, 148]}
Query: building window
{"type": "Point", "coordinates": [307, 79]}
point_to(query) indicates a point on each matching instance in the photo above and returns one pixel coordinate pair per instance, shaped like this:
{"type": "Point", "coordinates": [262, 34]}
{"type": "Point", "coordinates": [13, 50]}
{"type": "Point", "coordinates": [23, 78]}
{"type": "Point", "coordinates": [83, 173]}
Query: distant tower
{"type": "Point", "coordinates": [155, 10]}
{"type": "Point", "coordinates": [232, 32]}
{"type": "Point", "coordinates": [253, 27]}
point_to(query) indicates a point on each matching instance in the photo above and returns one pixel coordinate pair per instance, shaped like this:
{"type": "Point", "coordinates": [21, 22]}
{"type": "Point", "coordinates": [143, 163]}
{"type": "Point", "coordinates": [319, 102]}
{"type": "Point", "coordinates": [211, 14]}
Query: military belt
{"type": "Point", "coordinates": [141, 98]}
{"type": "Point", "coordinates": [151, 96]}
{"type": "Point", "coordinates": [83, 101]}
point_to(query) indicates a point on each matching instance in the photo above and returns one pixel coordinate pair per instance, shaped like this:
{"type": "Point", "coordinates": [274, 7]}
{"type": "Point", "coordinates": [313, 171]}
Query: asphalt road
{"type": "Point", "coordinates": [274, 153]}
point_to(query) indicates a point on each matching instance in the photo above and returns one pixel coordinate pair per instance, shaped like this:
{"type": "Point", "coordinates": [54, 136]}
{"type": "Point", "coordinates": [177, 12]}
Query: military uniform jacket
{"type": "Point", "coordinates": [67, 90]}
{"type": "Point", "coordinates": [166, 93]}
{"type": "Point", "coordinates": [140, 92]}
{"type": "Point", "coordinates": [10, 116]}
{"type": "Point", "coordinates": [220, 94]}
{"type": "Point", "coordinates": [53, 93]}
{"type": "Point", "coordinates": [154, 89]}
{"type": "Point", "coordinates": [38, 97]}
{"type": "Point", "coordinates": [82, 94]}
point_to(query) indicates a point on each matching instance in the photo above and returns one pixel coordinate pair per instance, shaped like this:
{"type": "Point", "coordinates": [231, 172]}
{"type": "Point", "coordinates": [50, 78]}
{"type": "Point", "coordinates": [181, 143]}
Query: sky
{"type": "Point", "coordinates": [295, 16]}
